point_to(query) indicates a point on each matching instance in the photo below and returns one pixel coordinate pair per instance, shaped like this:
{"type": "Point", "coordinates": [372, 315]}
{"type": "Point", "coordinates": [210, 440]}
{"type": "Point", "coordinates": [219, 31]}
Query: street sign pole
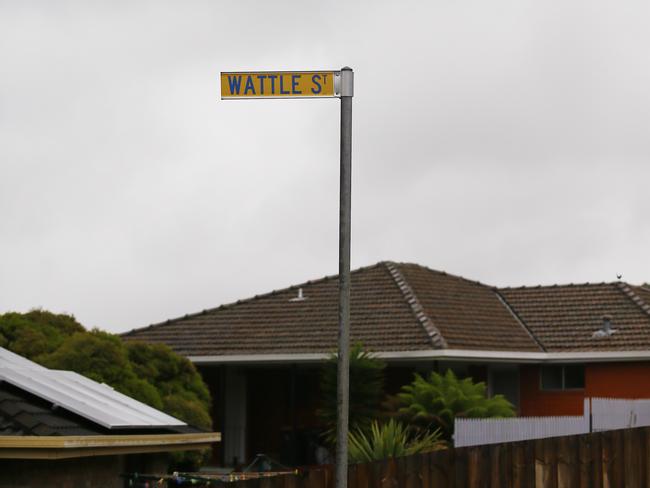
{"type": "Point", "coordinates": [238, 85]}
{"type": "Point", "coordinates": [343, 383]}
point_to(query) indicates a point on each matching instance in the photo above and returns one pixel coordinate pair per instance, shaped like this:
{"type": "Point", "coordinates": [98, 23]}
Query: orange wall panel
{"type": "Point", "coordinates": [615, 380]}
{"type": "Point", "coordinates": [537, 403]}
{"type": "Point", "coordinates": [618, 380]}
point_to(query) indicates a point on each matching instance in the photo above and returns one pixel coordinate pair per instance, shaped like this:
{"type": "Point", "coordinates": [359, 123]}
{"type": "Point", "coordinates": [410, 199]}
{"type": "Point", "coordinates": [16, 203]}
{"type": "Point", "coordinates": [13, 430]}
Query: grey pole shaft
{"type": "Point", "coordinates": [343, 389]}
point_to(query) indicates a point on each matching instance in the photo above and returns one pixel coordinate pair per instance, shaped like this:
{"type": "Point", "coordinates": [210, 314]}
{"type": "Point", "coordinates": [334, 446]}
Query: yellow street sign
{"type": "Point", "coordinates": [280, 84]}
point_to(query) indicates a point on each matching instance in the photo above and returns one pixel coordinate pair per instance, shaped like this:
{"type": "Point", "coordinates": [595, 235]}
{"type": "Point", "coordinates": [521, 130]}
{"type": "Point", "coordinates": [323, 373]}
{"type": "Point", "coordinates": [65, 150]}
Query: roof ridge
{"type": "Point", "coordinates": [627, 290]}
{"type": "Point", "coordinates": [555, 285]}
{"type": "Point", "coordinates": [436, 338]}
{"type": "Point", "coordinates": [250, 299]}
{"type": "Point", "coordinates": [519, 320]}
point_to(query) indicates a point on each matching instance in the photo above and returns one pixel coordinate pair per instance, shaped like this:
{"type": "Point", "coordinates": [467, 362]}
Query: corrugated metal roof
{"type": "Point", "coordinates": [96, 402]}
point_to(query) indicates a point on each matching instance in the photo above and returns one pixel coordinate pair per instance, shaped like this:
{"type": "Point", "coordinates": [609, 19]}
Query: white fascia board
{"type": "Point", "coordinates": [439, 354]}
{"type": "Point", "coordinates": [259, 358]}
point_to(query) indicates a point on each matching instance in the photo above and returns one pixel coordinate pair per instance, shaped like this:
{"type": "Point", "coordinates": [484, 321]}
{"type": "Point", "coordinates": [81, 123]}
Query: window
{"type": "Point", "coordinates": [563, 377]}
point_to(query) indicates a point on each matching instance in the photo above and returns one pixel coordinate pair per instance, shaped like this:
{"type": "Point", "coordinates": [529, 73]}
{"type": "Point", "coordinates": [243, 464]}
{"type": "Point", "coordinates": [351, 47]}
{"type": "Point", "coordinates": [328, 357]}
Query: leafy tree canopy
{"type": "Point", "coordinates": [153, 374]}
{"type": "Point", "coordinates": [36, 333]}
{"type": "Point", "coordinates": [434, 402]}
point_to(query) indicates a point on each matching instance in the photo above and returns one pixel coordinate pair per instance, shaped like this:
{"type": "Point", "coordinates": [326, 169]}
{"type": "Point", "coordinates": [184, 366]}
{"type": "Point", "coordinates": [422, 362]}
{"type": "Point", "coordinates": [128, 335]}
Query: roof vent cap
{"type": "Point", "coordinates": [606, 329]}
{"type": "Point", "coordinates": [299, 298]}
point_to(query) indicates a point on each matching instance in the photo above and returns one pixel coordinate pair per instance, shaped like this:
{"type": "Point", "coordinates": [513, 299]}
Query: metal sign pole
{"type": "Point", "coordinates": [343, 388]}
{"type": "Point", "coordinates": [318, 84]}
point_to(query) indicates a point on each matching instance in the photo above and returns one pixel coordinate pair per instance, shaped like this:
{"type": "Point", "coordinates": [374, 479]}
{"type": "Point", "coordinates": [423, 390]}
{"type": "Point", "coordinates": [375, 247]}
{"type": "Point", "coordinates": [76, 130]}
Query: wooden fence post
{"type": "Point", "coordinates": [363, 475]}
{"type": "Point", "coordinates": [460, 467]}
{"type": "Point", "coordinates": [568, 462]}
{"type": "Point", "coordinates": [519, 477]}
{"type": "Point", "coordinates": [388, 474]}
{"type": "Point", "coordinates": [496, 465]}
{"type": "Point", "coordinates": [633, 450]}
{"type": "Point", "coordinates": [425, 471]}
{"type": "Point", "coordinates": [607, 460]}
{"type": "Point", "coordinates": [441, 469]}
{"type": "Point", "coordinates": [545, 463]}
{"type": "Point", "coordinates": [375, 474]}
{"type": "Point", "coordinates": [352, 475]}
{"type": "Point", "coordinates": [412, 472]}
{"type": "Point", "coordinates": [646, 460]}
{"type": "Point", "coordinates": [617, 459]}
{"type": "Point", "coordinates": [585, 461]}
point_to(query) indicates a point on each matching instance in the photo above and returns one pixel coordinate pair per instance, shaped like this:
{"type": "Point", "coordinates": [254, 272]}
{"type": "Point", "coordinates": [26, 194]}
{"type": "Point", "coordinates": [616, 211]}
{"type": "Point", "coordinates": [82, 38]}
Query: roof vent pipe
{"type": "Point", "coordinates": [606, 329]}
{"type": "Point", "coordinates": [300, 297]}
{"type": "Point", "coordinates": [607, 324]}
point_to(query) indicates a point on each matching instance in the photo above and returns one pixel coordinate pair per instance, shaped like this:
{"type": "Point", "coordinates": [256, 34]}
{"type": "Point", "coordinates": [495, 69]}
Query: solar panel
{"type": "Point", "coordinates": [94, 401]}
{"type": "Point", "coordinates": [11, 359]}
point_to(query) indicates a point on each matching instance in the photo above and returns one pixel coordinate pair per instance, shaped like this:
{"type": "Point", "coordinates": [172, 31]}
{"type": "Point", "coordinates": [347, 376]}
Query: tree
{"type": "Point", "coordinates": [103, 357]}
{"type": "Point", "coordinates": [366, 390]}
{"type": "Point", "coordinates": [150, 373]}
{"type": "Point", "coordinates": [182, 390]}
{"type": "Point", "coordinates": [36, 333]}
{"type": "Point", "coordinates": [389, 440]}
{"type": "Point", "coordinates": [435, 402]}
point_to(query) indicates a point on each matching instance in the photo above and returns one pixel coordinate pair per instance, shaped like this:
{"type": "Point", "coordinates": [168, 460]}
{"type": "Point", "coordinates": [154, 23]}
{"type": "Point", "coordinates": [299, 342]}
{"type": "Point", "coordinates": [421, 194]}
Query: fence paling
{"type": "Point", "coordinates": [615, 413]}
{"type": "Point", "coordinates": [606, 414]}
{"type": "Point", "coordinates": [473, 432]}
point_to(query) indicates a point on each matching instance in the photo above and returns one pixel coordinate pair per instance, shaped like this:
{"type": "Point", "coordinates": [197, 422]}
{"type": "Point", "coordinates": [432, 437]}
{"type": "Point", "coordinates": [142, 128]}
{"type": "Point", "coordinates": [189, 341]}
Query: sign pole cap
{"type": "Point", "coordinates": [347, 82]}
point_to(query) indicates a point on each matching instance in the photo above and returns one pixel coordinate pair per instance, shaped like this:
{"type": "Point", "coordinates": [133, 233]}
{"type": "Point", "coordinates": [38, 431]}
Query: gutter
{"type": "Point", "coordinates": [432, 355]}
{"type": "Point", "coordinates": [65, 447]}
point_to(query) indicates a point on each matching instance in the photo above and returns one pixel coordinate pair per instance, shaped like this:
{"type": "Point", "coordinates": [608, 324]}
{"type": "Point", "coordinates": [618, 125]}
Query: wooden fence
{"type": "Point", "coordinates": [612, 459]}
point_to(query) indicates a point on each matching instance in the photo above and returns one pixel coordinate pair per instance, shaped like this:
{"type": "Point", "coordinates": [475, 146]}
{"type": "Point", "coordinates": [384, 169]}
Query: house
{"type": "Point", "coordinates": [58, 428]}
{"type": "Point", "coordinates": [545, 348]}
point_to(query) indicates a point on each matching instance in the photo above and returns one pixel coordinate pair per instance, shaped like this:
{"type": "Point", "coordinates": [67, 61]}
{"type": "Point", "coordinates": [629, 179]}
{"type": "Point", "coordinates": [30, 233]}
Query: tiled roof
{"type": "Point", "coordinates": [278, 323]}
{"type": "Point", "coordinates": [468, 314]}
{"type": "Point", "coordinates": [564, 318]}
{"type": "Point", "coordinates": [408, 307]}
{"type": "Point", "coordinates": [394, 307]}
{"type": "Point", "coordinates": [24, 414]}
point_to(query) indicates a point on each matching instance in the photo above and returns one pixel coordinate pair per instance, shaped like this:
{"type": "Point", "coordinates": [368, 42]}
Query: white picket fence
{"type": "Point", "coordinates": [599, 414]}
{"type": "Point", "coordinates": [616, 413]}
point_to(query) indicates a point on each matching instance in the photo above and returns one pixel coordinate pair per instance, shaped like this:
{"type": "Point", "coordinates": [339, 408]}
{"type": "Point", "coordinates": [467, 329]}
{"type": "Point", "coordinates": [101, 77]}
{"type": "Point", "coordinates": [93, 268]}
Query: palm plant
{"type": "Point", "coordinates": [435, 402]}
{"type": "Point", "coordinates": [366, 390]}
{"type": "Point", "coordinates": [392, 439]}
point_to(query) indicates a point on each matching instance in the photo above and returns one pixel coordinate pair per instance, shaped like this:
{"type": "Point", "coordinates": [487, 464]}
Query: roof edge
{"type": "Point", "coordinates": [435, 355]}
{"type": "Point", "coordinates": [434, 334]}
{"type": "Point", "coordinates": [63, 447]}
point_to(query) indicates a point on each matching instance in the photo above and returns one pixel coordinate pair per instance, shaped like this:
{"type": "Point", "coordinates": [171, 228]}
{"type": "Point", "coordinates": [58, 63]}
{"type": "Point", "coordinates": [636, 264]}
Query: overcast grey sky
{"type": "Point", "coordinates": [506, 141]}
